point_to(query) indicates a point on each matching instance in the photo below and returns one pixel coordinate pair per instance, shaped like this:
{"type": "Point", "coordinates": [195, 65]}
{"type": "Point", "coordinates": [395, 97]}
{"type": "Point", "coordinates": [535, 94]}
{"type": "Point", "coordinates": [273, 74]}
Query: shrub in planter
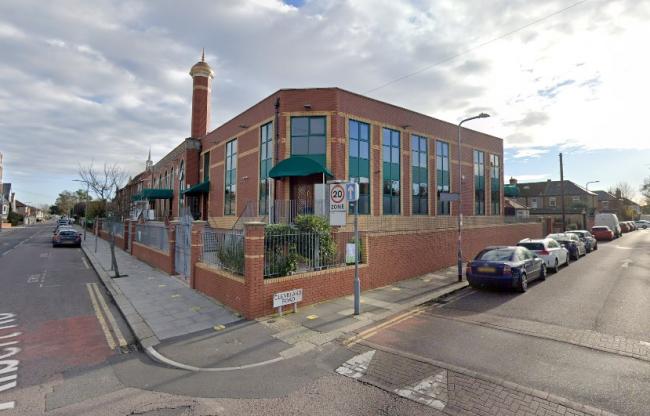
{"type": "Point", "coordinates": [231, 257]}
{"type": "Point", "coordinates": [319, 225]}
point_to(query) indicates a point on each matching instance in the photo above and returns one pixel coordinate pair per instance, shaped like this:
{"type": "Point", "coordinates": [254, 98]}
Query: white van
{"type": "Point", "coordinates": [610, 220]}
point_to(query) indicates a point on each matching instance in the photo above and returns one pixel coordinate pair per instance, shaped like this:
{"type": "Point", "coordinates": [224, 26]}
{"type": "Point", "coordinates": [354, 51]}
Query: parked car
{"type": "Point", "coordinates": [642, 224]}
{"type": "Point", "coordinates": [551, 251]}
{"type": "Point", "coordinates": [632, 225]}
{"type": "Point", "coordinates": [625, 227]}
{"type": "Point", "coordinates": [66, 236]}
{"type": "Point", "coordinates": [602, 233]}
{"type": "Point", "coordinates": [610, 220]}
{"type": "Point", "coordinates": [571, 242]}
{"type": "Point", "coordinates": [61, 226]}
{"type": "Point", "coordinates": [585, 236]}
{"type": "Point", "coordinates": [506, 267]}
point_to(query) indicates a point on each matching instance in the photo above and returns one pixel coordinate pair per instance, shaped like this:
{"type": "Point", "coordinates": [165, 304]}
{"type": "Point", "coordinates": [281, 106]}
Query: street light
{"type": "Point", "coordinates": [85, 205]}
{"type": "Point", "coordinates": [460, 198]}
{"type": "Point", "coordinates": [587, 185]}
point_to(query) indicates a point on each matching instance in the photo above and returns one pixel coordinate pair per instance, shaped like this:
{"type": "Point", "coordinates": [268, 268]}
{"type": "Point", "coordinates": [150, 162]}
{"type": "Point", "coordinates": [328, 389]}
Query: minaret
{"type": "Point", "coordinates": [149, 163]}
{"type": "Point", "coordinates": [202, 75]}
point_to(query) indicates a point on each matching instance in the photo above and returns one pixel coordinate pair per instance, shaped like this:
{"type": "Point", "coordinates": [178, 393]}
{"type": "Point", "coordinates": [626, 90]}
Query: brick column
{"type": "Point", "coordinates": [254, 269]}
{"type": "Point", "coordinates": [171, 241]}
{"type": "Point", "coordinates": [131, 235]}
{"type": "Point", "coordinates": [196, 249]}
{"type": "Point", "coordinates": [125, 234]}
{"type": "Point", "coordinates": [98, 225]}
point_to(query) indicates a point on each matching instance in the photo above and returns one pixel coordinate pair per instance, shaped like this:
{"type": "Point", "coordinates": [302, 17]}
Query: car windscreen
{"type": "Point", "coordinates": [532, 246]}
{"type": "Point", "coordinates": [499, 254]}
{"type": "Point", "coordinates": [600, 229]}
{"type": "Point", "coordinates": [68, 232]}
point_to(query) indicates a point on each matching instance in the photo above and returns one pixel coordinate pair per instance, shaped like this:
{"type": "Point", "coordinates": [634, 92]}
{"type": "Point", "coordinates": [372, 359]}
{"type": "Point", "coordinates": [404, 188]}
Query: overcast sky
{"type": "Point", "coordinates": [108, 79]}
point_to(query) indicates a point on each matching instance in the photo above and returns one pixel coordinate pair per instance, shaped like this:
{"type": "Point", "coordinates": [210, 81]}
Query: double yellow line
{"type": "Point", "coordinates": [384, 325]}
{"type": "Point", "coordinates": [98, 300]}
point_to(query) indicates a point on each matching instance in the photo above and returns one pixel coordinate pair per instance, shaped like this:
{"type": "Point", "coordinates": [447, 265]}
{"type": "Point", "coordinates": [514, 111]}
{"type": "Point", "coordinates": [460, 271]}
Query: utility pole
{"type": "Point", "coordinates": [562, 194]}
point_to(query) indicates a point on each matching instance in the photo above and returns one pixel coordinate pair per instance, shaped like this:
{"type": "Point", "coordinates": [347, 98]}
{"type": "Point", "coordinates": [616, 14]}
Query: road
{"type": "Point", "coordinates": [563, 336]}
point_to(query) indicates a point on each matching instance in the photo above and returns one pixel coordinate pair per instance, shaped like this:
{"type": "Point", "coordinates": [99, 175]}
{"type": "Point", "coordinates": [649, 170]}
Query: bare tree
{"type": "Point", "coordinates": [103, 183]}
{"type": "Point", "coordinates": [627, 190]}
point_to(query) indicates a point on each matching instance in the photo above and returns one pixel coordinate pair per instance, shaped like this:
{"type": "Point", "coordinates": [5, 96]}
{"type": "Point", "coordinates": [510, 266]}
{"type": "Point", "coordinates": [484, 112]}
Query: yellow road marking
{"type": "Point", "coordinates": [109, 315]}
{"type": "Point", "coordinates": [219, 327]}
{"type": "Point", "coordinates": [383, 324]}
{"type": "Point", "coordinates": [376, 330]}
{"type": "Point", "coordinates": [100, 318]}
{"type": "Point", "coordinates": [312, 317]}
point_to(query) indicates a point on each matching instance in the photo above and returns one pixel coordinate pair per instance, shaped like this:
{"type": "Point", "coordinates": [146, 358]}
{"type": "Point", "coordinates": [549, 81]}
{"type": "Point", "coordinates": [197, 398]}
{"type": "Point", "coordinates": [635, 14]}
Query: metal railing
{"type": "Point", "coordinates": [286, 211]}
{"type": "Point", "coordinates": [294, 252]}
{"type": "Point", "coordinates": [224, 249]}
{"type": "Point", "coordinates": [153, 235]}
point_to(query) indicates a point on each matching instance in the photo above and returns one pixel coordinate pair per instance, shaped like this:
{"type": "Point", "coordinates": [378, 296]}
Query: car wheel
{"type": "Point", "coordinates": [595, 246]}
{"type": "Point", "coordinates": [557, 266]}
{"type": "Point", "coordinates": [523, 283]}
{"type": "Point", "coordinates": [568, 260]}
{"type": "Point", "coordinates": [542, 273]}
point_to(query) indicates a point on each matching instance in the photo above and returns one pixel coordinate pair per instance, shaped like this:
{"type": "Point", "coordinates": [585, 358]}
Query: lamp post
{"type": "Point", "coordinates": [587, 185]}
{"type": "Point", "coordinates": [460, 198]}
{"type": "Point", "coordinates": [85, 205]}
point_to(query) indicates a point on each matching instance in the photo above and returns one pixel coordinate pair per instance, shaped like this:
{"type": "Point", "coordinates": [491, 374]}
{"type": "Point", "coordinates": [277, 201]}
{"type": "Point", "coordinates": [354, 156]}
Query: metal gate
{"type": "Point", "coordinates": [183, 245]}
{"type": "Point", "coordinates": [131, 236]}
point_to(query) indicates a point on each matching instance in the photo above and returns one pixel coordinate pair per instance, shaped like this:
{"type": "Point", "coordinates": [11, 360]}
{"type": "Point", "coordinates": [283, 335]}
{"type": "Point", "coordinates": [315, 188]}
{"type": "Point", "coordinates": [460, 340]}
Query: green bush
{"type": "Point", "coordinates": [231, 257]}
{"type": "Point", "coordinates": [14, 218]}
{"type": "Point", "coordinates": [319, 225]}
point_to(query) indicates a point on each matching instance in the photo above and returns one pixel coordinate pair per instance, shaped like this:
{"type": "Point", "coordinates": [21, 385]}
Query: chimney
{"type": "Point", "coordinates": [618, 193]}
{"type": "Point", "coordinates": [513, 181]}
{"type": "Point", "coordinates": [202, 75]}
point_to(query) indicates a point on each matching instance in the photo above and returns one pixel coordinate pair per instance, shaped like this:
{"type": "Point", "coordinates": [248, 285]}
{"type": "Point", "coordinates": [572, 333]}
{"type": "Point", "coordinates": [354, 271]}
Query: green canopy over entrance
{"type": "Point", "coordinates": [298, 166]}
{"type": "Point", "coordinates": [154, 193]}
{"type": "Point", "coordinates": [199, 188]}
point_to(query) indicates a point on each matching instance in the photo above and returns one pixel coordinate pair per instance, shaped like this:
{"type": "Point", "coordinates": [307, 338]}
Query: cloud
{"type": "Point", "coordinates": [108, 79]}
{"type": "Point", "coordinates": [529, 153]}
{"type": "Point", "coordinates": [536, 177]}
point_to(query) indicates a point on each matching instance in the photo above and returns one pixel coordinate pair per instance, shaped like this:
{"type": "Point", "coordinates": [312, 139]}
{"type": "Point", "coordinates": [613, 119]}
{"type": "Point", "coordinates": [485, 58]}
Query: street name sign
{"type": "Point", "coordinates": [287, 298]}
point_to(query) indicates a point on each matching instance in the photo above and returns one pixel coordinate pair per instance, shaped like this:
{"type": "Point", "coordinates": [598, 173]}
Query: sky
{"type": "Point", "coordinates": [106, 80]}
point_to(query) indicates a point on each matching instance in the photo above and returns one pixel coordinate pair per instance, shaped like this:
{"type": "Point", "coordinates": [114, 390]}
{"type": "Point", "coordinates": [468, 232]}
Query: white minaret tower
{"type": "Point", "coordinates": [149, 163]}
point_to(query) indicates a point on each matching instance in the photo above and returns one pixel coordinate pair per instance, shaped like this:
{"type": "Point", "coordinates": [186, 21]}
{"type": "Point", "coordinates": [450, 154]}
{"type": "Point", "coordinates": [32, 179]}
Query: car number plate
{"type": "Point", "coordinates": [486, 270]}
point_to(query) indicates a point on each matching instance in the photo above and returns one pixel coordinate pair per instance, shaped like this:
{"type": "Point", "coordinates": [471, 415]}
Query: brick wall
{"type": "Point", "coordinates": [390, 257]}
{"type": "Point", "coordinates": [155, 258]}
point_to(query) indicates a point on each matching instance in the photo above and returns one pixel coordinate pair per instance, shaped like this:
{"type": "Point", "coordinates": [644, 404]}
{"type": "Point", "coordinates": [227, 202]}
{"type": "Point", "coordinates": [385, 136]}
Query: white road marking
{"type": "Point", "coordinates": [7, 405]}
{"type": "Point", "coordinates": [7, 380]}
{"type": "Point", "coordinates": [356, 366]}
{"type": "Point", "coordinates": [100, 318]}
{"type": "Point", "coordinates": [83, 259]}
{"type": "Point", "coordinates": [109, 315]}
{"type": "Point", "coordinates": [626, 263]}
{"type": "Point", "coordinates": [34, 278]}
{"type": "Point", "coordinates": [45, 255]}
{"type": "Point", "coordinates": [432, 391]}
{"type": "Point", "coordinates": [647, 344]}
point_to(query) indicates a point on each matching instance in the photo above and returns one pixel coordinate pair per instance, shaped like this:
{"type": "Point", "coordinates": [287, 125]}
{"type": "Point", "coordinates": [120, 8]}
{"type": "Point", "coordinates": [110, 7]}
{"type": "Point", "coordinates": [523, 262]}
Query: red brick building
{"type": "Point", "coordinates": [400, 157]}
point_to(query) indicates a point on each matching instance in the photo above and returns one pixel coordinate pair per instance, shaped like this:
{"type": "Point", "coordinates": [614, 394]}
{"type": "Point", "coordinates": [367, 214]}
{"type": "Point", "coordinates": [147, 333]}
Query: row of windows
{"type": "Point", "coordinates": [308, 138]}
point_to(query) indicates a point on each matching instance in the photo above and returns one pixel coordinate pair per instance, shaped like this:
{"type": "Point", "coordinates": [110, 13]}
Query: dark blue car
{"type": "Point", "coordinates": [505, 267]}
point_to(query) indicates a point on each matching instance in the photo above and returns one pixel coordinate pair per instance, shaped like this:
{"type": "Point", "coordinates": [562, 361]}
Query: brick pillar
{"type": "Point", "coordinates": [131, 235]}
{"type": "Point", "coordinates": [125, 234]}
{"type": "Point", "coordinates": [171, 234]}
{"type": "Point", "coordinates": [254, 269]}
{"type": "Point", "coordinates": [98, 225]}
{"type": "Point", "coordinates": [196, 249]}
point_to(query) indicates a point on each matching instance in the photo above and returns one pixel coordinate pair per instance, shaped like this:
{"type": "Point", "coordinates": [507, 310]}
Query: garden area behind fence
{"type": "Point", "coordinates": [224, 249]}
{"type": "Point", "coordinates": [153, 235]}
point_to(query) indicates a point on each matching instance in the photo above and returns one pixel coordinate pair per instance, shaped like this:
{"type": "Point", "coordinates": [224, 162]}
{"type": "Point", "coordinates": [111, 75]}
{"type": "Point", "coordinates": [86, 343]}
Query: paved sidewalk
{"type": "Point", "coordinates": [168, 306]}
{"type": "Point", "coordinates": [163, 311]}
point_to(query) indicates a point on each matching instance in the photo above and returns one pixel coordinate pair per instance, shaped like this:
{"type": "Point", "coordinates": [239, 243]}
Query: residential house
{"type": "Point", "coordinates": [545, 199]}
{"type": "Point", "coordinates": [624, 208]}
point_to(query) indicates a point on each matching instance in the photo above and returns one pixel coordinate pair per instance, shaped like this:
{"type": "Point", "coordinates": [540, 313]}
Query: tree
{"type": "Point", "coordinates": [645, 190]}
{"type": "Point", "coordinates": [65, 201]}
{"type": "Point", "coordinates": [627, 190]}
{"type": "Point", "coordinates": [55, 210]}
{"type": "Point", "coordinates": [103, 183]}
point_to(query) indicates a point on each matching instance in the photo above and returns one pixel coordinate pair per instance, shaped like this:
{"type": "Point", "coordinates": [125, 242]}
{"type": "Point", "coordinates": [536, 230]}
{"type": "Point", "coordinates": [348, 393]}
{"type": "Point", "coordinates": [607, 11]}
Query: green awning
{"type": "Point", "coordinates": [199, 188]}
{"type": "Point", "coordinates": [298, 166]}
{"type": "Point", "coordinates": [510, 190]}
{"type": "Point", "coordinates": [136, 197]}
{"type": "Point", "coordinates": [155, 193]}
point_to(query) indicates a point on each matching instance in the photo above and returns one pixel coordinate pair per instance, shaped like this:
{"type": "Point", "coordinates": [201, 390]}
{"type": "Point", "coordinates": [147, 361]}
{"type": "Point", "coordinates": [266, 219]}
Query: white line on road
{"type": "Point", "coordinates": [83, 259]}
{"type": "Point", "coordinates": [109, 315]}
{"type": "Point", "coordinates": [7, 405]}
{"type": "Point", "coordinates": [100, 318]}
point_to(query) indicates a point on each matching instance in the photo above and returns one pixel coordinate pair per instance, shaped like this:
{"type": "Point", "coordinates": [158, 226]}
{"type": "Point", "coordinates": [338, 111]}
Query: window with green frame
{"type": "Point", "coordinates": [206, 166]}
{"type": "Point", "coordinates": [495, 185]}
{"type": "Point", "coordinates": [479, 183]}
{"type": "Point", "coordinates": [419, 175]}
{"type": "Point", "coordinates": [266, 163]}
{"type": "Point", "coordinates": [391, 168]}
{"type": "Point", "coordinates": [443, 181]}
{"type": "Point", "coordinates": [181, 186]}
{"type": "Point", "coordinates": [308, 137]}
{"type": "Point", "coordinates": [359, 163]}
{"type": "Point", "coordinates": [231, 178]}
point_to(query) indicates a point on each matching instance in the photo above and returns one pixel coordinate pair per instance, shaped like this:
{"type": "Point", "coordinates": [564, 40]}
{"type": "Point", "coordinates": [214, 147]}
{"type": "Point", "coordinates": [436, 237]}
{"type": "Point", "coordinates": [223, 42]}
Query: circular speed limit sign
{"type": "Point", "coordinates": [337, 194]}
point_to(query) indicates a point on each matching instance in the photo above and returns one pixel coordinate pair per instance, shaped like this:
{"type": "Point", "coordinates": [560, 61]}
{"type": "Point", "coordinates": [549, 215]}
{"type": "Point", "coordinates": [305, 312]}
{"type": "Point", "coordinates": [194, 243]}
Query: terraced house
{"type": "Point", "coordinates": [274, 161]}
